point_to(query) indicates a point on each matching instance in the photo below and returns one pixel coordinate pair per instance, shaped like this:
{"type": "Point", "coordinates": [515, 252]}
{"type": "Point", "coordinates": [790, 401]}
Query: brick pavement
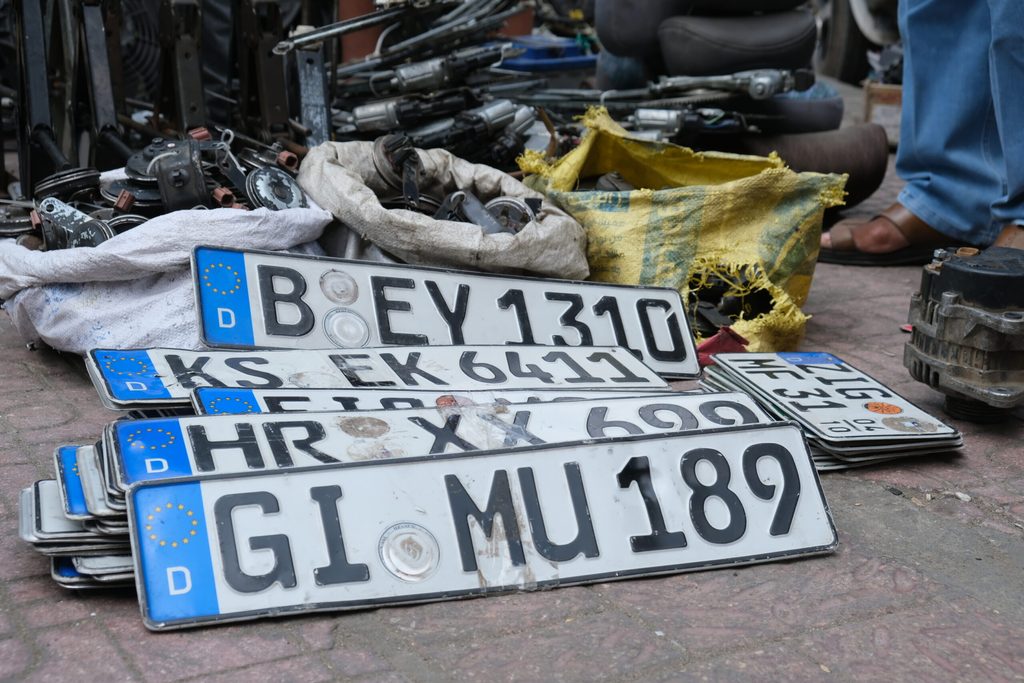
{"type": "Point", "coordinates": [925, 586]}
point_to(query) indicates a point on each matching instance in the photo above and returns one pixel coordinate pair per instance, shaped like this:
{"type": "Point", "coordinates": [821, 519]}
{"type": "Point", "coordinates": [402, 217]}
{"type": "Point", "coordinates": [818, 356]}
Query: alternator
{"type": "Point", "coordinates": [968, 331]}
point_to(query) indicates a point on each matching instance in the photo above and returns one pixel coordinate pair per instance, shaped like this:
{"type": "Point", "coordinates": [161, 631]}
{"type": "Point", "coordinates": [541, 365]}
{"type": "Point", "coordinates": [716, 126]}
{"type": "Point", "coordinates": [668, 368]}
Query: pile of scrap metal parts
{"type": "Point", "coordinates": [441, 77]}
{"type": "Point", "coordinates": [396, 161]}
{"type": "Point", "coordinates": [968, 331]}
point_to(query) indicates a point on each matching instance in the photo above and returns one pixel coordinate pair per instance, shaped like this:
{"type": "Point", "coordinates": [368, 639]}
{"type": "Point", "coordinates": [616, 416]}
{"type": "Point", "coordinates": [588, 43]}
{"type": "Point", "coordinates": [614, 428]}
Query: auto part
{"type": "Point", "coordinates": [968, 331]}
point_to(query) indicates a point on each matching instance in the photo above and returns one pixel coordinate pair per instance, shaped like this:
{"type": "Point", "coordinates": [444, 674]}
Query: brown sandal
{"type": "Point", "coordinates": [922, 241]}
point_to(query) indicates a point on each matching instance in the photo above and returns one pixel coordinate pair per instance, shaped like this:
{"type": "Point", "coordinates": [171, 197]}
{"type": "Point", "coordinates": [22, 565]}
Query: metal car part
{"type": "Point", "coordinates": [180, 177]}
{"type": "Point", "coordinates": [474, 211]}
{"type": "Point", "coordinates": [65, 227]}
{"type": "Point", "coordinates": [313, 94]}
{"type": "Point", "coordinates": [613, 182]}
{"type": "Point", "coordinates": [758, 84]}
{"type": "Point", "coordinates": [668, 121]}
{"type": "Point", "coordinates": [342, 241]}
{"type": "Point", "coordinates": [399, 113]}
{"type": "Point", "coordinates": [181, 86]}
{"type": "Point", "coordinates": [443, 72]}
{"type": "Point", "coordinates": [968, 331]}
{"type": "Point", "coordinates": [263, 100]}
{"type": "Point", "coordinates": [274, 189]}
{"type": "Point", "coordinates": [125, 222]}
{"type": "Point", "coordinates": [876, 19]}
{"type": "Point", "coordinates": [399, 165]}
{"type": "Point", "coordinates": [482, 121]}
{"type": "Point", "coordinates": [512, 213]}
{"type": "Point", "coordinates": [110, 150]}
{"type": "Point", "coordinates": [336, 30]}
{"type": "Point", "coordinates": [67, 184]}
{"type": "Point", "coordinates": [146, 197]}
{"type": "Point", "coordinates": [39, 153]}
{"type": "Point", "coordinates": [14, 220]}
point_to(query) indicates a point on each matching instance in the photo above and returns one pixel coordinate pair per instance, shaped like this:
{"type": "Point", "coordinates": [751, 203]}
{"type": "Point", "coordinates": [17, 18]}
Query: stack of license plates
{"type": "Point", "coordinates": [414, 435]}
{"type": "Point", "coordinates": [849, 418]}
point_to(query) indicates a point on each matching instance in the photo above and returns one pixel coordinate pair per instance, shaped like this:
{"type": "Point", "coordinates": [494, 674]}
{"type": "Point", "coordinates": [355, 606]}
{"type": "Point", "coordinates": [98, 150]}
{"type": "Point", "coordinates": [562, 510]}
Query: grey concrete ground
{"type": "Point", "coordinates": [926, 584]}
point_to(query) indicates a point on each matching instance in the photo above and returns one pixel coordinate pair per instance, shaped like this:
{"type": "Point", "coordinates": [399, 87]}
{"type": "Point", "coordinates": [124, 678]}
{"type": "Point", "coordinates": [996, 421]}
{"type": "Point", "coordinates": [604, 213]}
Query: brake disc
{"type": "Point", "coordinates": [14, 221]}
{"type": "Point", "coordinates": [66, 184]}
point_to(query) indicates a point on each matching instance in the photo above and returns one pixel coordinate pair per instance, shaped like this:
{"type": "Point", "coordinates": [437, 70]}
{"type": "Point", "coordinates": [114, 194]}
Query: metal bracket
{"type": "Point", "coordinates": [264, 99]}
{"type": "Point", "coordinates": [313, 94]}
{"type": "Point", "coordinates": [181, 84]}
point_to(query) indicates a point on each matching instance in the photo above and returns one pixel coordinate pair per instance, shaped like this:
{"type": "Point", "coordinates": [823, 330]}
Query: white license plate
{"type": "Point", "coordinates": [210, 401]}
{"type": "Point", "coordinates": [831, 398]}
{"type": "Point", "coordinates": [136, 378]}
{"type": "Point", "coordinates": [145, 450]}
{"type": "Point", "coordinates": [262, 299]}
{"type": "Point", "coordinates": [246, 546]}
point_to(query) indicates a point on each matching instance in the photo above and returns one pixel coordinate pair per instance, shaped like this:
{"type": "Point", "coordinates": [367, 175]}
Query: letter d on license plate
{"type": "Point", "coordinates": [260, 299]}
{"type": "Point", "coordinates": [239, 547]}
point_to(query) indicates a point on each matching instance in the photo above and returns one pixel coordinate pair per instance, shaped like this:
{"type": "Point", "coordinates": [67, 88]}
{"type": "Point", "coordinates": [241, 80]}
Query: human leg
{"type": "Point", "coordinates": [950, 154]}
{"type": "Point", "coordinates": [1006, 68]}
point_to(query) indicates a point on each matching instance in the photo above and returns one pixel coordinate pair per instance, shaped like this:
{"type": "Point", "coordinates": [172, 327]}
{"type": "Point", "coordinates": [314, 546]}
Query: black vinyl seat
{"type": "Point", "coordinates": [702, 37]}
{"type": "Point", "coordinates": [708, 45]}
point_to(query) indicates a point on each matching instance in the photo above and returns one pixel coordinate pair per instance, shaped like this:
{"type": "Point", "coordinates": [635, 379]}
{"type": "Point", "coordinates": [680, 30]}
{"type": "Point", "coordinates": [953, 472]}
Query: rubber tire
{"type": "Point", "coordinates": [842, 48]}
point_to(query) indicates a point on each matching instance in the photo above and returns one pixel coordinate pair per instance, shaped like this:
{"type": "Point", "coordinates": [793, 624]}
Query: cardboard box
{"type": "Point", "coordinates": [882, 105]}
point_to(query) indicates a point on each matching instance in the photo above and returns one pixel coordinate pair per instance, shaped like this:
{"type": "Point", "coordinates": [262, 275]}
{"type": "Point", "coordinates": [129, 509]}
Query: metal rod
{"type": "Point", "coordinates": [337, 29]}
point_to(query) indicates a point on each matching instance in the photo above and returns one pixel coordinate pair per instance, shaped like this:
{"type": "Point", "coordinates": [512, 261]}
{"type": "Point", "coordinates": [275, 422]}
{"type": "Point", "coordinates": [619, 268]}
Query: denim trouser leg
{"type": "Point", "coordinates": [1006, 65]}
{"type": "Point", "coordinates": [950, 153]}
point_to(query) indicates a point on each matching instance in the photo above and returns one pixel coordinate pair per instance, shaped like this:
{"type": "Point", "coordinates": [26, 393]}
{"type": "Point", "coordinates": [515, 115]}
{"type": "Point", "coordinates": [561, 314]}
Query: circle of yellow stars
{"type": "Point", "coordinates": [174, 543]}
{"type": "Point", "coordinates": [141, 365]}
{"type": "Point", "coordinates": [134, 441]}
{"type": "Point", "coordinates": [241, 402]}
{"type": "Point", "coordinates": [210, 271]}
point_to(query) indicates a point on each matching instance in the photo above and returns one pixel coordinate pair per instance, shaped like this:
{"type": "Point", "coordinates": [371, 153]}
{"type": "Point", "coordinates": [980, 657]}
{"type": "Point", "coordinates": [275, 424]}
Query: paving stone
{"type": "Point", "coordinates": [14, 478]}
{"type": "Point", "coordinates": [347, 661]}
{"type": "Point", "coordinates": [17, 559]}
{"type": "Point", "coordinates": [941, 641]}
{"type": "Point", "coordinates": [82, 653]}
{"type": "Point", "coordinates": [6, 627]}
{"type": "Point", "coordinates": [309, 669]}
{"type": "Point", "coordinates": [15, 659]}
{"type": "Point", "coordinates": [385, 677]}
{"type": "Point", "coordinates": [766, 663]}
{"type": "Point", "coordinates": [493, 616]}
{"type": "Point", "coordinates": [317, 632]}
{"type": "Point", "coordinates": [70, 608]}
{"type": "Point", "coordinates": [80, 424]}
{"type": "Point", "coordinates": [715, 610]}
{"type": "Point", "coordinates": [33, 588]}
{"type": "Point", "coordinates": [183, 654]}
{"type": "Point", "coordinates": [594, 647]}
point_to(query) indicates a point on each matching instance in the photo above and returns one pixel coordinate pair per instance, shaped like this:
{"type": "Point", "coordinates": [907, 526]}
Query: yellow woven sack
{"type": "Point", "coordinates": [744, 220]}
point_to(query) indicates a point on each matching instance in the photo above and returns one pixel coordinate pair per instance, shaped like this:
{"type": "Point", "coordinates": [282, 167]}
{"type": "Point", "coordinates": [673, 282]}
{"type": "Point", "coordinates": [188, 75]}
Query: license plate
{"type": "Point", "coordinates": [65, 460]}
{"type": "Point", "coordinates": [145, 450]}
{"type": "Point", "coordinates": [137, 378]}
{"type": "Point", "coordinates": [263, 299]}
{"type": "Point", "coordinates": [832, 399]}
{"type": "Point", "coordinates": [210, 401]}
{"type": "Point", "coordinates": [239, 547]}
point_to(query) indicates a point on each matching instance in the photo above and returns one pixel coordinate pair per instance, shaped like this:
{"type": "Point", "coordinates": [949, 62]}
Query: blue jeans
{"type": "Point", "coordinates": [962, 131]}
